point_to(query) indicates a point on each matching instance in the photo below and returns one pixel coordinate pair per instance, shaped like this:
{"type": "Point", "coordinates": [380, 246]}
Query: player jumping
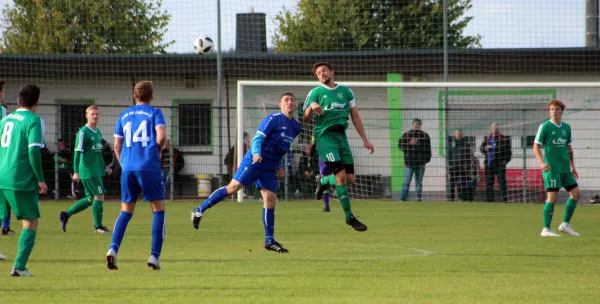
{"type": "Point", "coordinates": [139, 137]}
{"type": "Point", "coordinates": [332, 104]}
{"type": "Point", "coordinates": [557, 166]}
{"type": "Point", "coordinates": [89, 168]}
{"type": "Point", "coordinates": [22, 179]}
{"type": "Point", "coordinates": [261, 164]}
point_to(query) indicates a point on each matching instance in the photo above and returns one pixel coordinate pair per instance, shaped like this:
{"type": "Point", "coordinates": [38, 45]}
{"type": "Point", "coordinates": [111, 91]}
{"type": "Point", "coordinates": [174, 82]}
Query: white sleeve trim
{"type": "Point", "coordinates": [161, 125]}
{"type": "Point", "coordinates": [353, 103]}
{"type": "Point", "coordinates": [537, 136]}
{"type": "Point", "coordinates": [306, 100]}
{"type": "Point", "coordinates": [261, 133]}
{"type": "Point", "coordinates": [80, 142]}
{"type": "Point", "coordinates": [118, 136]}
{"type": "Point", "coordinates": [34, 145]}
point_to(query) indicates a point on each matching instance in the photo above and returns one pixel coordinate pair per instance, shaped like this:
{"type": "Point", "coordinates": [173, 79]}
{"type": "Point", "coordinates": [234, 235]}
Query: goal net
{"type": "Point", "coordinates": [454, 172]}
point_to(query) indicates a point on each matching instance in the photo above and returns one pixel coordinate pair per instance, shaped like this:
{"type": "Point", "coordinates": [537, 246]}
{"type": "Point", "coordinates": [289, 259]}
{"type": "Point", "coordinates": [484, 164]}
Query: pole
{"type": "Point", "coordinates": [446, 124]}
{"type": "Point", "coordinates": [220, 88]}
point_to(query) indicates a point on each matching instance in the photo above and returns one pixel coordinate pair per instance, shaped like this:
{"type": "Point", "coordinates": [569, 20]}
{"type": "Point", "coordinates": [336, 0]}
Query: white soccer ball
{"type": "Point", "coordinates": [204, 45]}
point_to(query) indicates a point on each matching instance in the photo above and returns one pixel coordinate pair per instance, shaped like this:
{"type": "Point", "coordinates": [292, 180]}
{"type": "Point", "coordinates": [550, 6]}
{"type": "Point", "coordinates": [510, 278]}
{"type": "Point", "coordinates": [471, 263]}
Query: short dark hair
{"type": "Point", "coordinates": [417, 120]}
{"type": "Point", "coordinates": [29, 95]}
{"type": "Point", "coordinates": [2, 82]}
{"type": "Point", "coordinates": [319, 64]}
{"type": "Point", "coordinates": [287, 94]}
{"type": "Point", "coordinates": [245, 134]}
{"type": "Point", "coordinates": [144, 90]}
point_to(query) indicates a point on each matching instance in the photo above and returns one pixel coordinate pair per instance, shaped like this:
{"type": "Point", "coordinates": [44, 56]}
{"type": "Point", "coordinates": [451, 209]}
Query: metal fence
{"type": "Point", "coordinates": [199, 155]}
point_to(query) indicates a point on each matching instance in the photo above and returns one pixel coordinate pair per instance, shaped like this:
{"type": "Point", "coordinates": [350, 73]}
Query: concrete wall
{"type": "Point", "coordinates": [113, 95]}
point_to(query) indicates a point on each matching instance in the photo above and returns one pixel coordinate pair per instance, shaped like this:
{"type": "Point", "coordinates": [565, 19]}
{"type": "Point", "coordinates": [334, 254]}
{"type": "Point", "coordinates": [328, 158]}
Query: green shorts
{"type": "Point", "coordinates": [554, 180]}
{"type": "Point", "coordinates": [24, 204]}
{"type": "Point", "coordinates": [333, 147]}
{"type": "Point", "coordinates": [93, 187]}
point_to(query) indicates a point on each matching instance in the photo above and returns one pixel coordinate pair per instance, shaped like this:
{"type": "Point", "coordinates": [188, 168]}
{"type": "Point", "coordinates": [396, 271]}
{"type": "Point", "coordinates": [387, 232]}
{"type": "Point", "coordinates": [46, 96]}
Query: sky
{"type": "Point", "coordinates": [500, 23]}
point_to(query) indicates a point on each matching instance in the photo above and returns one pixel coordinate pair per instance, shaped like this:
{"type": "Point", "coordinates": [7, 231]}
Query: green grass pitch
{"type": "Point", "coordinates": [412, 253]}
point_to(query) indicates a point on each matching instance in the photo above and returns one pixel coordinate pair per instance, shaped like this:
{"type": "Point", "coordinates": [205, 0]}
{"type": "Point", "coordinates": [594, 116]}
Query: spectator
{"type": "Point", "coordinates": [231, 157]}
{"type": "Point", "coordinates": [63, 159]}
{"type": "Point", "coordinates": [498, 152]}
{"type": "Point", "coordinates": [166, 164]}
{"type": "Point", "coordinates": [63, 156]}
{"type": "Point", "coordinates": [473, 178]}
{"type": "Point", "coordinates": [459, 161]}
{"type": "Point", "coordinates": [308, 168]}
{"type": "Point", "coordinates": [416, 146]}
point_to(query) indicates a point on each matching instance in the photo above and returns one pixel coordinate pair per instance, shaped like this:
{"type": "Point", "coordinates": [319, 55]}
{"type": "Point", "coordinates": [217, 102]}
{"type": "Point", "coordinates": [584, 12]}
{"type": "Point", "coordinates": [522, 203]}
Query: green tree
{"type": "Point", "coordinates": [349, 25]}
{"type": "Point", "coordinates": [84, 27]}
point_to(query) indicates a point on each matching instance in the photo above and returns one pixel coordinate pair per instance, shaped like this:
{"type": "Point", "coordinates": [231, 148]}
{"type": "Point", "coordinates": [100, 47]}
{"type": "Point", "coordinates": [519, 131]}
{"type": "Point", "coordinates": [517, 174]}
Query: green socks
{"type": "Point", "coordinates": [79, 206]}
{"type": "Point", "coordinates": [569, 210]}
{"type": "Point", "coordinates": [344, 197]}
{"type": "Point", "coordinates": [548, 212]}
{"type": "Point", "coordinates": [342, 193]}
{"type": "Point", "coordinates": [84, 203]}
{"type": "Point", "coordinates": [328, 180]}
{"type": "Point", "coordinates": [26, 242]}
{"type": "Point", "coordinates": [98, 211]}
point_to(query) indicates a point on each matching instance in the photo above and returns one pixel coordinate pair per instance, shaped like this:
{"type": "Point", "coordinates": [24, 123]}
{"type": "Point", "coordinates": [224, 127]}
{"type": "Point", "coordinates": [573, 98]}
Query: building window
{"type": "Point", "coordinates": [195, 121]}
{"type": "Point", "coordinates": [528, 140]}
{"type": "Point", "coordinates": [72, 119]}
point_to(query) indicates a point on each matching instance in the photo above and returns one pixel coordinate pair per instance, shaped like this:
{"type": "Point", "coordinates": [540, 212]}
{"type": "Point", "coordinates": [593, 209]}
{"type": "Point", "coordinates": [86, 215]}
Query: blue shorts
{"type": "Point", "coordinates": [248, 173]}
{"type": "Point", "coordinates": [148, 183]}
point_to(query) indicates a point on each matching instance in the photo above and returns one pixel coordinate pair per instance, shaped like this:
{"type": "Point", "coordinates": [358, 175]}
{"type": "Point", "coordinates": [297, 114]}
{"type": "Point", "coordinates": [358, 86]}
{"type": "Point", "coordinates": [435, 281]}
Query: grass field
{"type": "Point", "coordinates": [412, 253]}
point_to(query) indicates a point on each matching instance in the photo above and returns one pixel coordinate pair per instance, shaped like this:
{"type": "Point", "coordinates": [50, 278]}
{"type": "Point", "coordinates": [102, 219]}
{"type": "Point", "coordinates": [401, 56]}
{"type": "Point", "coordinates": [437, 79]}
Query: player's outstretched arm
{"type": "Point", "coordinates": [572, 161]}
{"type": "Point", "coordinates": [360, 129]}
{"type": "Point", "coordinates": [161, 137]}
{"type": "Point", "coordinates": [256, 147]}
{"type": "Point", "coordinates": [537, 151]}
{"type": "Point", "coordinates": [308, 114]}
{"type": "Point", "coordinates": [118, 147]}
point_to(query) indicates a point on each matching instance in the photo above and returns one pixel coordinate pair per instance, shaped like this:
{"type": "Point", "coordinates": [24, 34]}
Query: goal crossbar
{"type": "Point", "coordinates": [380, 84]}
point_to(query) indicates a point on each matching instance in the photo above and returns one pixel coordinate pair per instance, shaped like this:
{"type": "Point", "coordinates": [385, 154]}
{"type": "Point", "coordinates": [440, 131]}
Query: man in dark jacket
{"type": "Point", "coordinates": [416, 146]}
{"type": "Point", "coordinates": [498, 152]}
{"type": "Point", "coordinates": [459, 160]}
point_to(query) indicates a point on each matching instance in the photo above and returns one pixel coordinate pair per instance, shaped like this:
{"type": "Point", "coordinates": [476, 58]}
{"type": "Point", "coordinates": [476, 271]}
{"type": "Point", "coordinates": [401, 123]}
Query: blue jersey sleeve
{"type": "Point", "coordinates": [267, 125]}
{"type": "Point", "coordinates": [119, 128]}
{"type": "Point", "coordinates": [159, 119]}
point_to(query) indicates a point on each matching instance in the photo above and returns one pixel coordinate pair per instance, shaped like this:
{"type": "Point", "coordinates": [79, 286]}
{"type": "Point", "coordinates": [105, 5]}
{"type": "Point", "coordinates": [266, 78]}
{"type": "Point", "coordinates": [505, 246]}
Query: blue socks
{"type": "Point", "coordinates": [268, 216]}
{"type": "Point", "coordinates": [216, 197]}
{"type": "Point", "coordinates": [158, 233]}
{"type": "Point", "coordinates": [6, 221]}
{"type": "Point", "coordinates": [326, 199]}
{"type": "Point", "coordinates": [119, 230]}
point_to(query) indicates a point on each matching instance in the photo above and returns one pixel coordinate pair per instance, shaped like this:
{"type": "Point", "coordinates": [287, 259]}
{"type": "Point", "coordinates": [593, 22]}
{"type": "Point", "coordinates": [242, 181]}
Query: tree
{"type": "Point", "coordinates": [84, 27]}
{"type": "Point", "coordinates": [350, 25]}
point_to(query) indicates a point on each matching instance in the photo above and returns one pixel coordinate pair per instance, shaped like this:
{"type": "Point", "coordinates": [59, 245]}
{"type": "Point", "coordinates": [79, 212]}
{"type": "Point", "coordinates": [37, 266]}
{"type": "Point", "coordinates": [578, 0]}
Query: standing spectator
{"type": "Point", "coordinates": [459, 156]}
{"type": "Point", "coordinates": [498, 152]}
{"type": "Point", "coordinates": [231, 157]}
{"type": "Point", "coordinates": [307, 170]}
{"type": "Point", "coordinates": [416, 146]}
{"type": "Point", "coordinates": [473, 178]}
{"type": "Point", "coordinates": [166, 164]}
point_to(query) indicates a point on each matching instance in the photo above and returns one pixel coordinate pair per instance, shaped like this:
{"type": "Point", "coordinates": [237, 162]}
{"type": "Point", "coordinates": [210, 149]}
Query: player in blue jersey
{"type": "Point", "coordinates": [261, 164]}
{"type": "Point", "coordinates": [139, 137]}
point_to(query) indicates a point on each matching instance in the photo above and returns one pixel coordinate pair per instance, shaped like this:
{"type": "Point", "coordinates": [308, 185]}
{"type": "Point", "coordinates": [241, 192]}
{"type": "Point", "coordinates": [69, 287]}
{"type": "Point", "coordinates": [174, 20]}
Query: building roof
{"type": "Point", "coordinates": [270, 65]}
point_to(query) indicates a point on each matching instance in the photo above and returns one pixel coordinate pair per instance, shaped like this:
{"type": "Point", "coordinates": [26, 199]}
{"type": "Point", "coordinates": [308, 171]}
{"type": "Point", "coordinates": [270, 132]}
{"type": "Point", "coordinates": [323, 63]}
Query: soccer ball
{"type": "Point", "coordinates": [204, 45]}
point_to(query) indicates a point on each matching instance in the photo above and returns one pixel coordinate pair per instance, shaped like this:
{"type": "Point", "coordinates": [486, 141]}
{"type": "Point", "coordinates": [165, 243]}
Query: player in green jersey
{"type": "Point", "coordinates": [21, 179]}
{"type": "Point", "coordinates": [89, 168]}
{"type": "Point", "coordinates": [333, 104]}
{"type": "Point", "coordinates": [558, 168]}
{"type": "Point", "coordinates": [3, 113]}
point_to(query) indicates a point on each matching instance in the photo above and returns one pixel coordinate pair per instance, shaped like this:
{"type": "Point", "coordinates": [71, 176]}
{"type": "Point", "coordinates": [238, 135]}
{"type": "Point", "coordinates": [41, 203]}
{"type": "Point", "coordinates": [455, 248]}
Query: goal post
{"type": "Point", "coordinates": [517, 107]}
